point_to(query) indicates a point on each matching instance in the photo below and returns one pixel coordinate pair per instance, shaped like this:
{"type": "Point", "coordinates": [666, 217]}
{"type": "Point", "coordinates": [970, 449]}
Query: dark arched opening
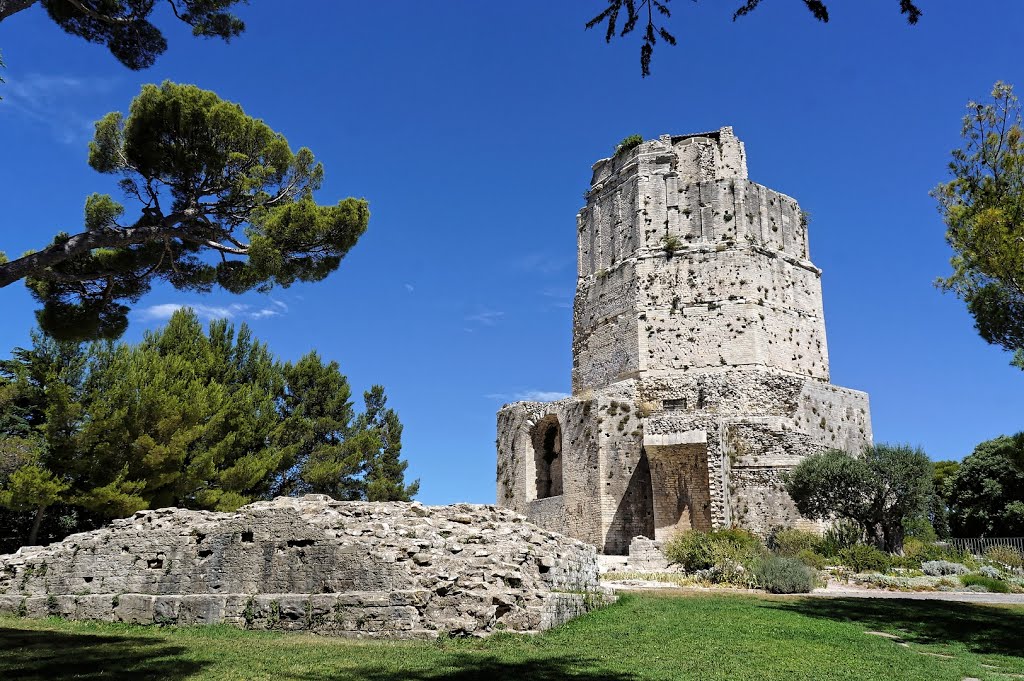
{"type": "Point", "coordinates": [547, 451]}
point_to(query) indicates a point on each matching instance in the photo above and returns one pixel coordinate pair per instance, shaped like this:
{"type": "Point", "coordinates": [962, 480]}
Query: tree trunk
{"type": "Point", "coordinates": [34, 264]}
{"type": "Point", "coordinates": [9, 7]}
{"type": "Point", "coordinates": [893, 538]}
{"type": "Point", "coordinates": [33, 534]}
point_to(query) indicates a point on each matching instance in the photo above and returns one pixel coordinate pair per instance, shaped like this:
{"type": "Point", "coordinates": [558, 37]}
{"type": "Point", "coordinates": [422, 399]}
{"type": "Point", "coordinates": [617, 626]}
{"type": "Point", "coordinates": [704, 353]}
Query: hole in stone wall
{"type": "Point", "coordinates": [547, 450]}
{"type": "Point", "coordinates": [300, 542]}
{"type": "Point", "coordinates": [678, 404]}
{"type": "Point", "coordinates": [247, 537]}
{"type": "Point", "coordinates": [206, 553]}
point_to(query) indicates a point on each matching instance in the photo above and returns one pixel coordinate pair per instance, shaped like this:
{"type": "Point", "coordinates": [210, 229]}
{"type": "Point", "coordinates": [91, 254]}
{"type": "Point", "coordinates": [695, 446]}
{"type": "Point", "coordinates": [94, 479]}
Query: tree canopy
{"type": "Point", "coordinates": [649, 11]}
{"type": "Point", "coordinates": [125, 26]}
{"type": "Point", "coordinates": [983, 208]}
{"type": "Point", "coordinates": [880, 490]}
{"type": "Point", "coordinates": [186, 418]}
{"type": "Point", "coordinates": [986, 494]}
{"type": "Point", "coordinates": [221, 199]}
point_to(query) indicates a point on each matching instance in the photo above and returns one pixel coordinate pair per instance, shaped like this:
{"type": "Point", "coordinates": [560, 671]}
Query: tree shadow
{"type": "Point", "coordinates": [467, 667]}
{"type": "Point", "coordinates": [27, 654]}
{"type": "Point", "coordinates": [985, 630]}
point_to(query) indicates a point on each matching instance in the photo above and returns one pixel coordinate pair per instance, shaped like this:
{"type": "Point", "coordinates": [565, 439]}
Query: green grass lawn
{"type": "Point", "coordinates": [704, 637]}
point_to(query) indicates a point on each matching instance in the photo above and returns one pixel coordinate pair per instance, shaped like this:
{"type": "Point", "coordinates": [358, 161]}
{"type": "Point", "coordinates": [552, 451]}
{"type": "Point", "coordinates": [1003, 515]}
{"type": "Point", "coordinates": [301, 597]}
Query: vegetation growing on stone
{"type": "Point", "coordinates": [628, 143]}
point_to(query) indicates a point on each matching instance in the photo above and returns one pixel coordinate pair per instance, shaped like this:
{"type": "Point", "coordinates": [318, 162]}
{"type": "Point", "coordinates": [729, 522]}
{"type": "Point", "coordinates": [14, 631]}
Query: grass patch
{"type": "Point", "coordinates": [993, 585]}
{"type": "Point", "coordinates": [643, 637]}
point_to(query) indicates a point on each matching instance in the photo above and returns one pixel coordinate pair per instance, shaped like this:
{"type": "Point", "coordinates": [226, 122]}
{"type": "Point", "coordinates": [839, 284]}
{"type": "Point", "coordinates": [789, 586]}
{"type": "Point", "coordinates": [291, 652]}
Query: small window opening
{"type": "Point", "coordinates": [547, 446]}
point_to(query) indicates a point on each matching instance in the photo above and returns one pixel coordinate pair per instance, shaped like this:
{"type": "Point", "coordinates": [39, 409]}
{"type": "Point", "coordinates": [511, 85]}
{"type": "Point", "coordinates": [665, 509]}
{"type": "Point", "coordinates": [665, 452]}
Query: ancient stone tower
{"type": "Point", "coordinates": [700, 369]}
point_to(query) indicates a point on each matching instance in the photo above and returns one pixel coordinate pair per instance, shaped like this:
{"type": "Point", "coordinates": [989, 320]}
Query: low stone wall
{"type": "Point", "coordinates": [399, 570]}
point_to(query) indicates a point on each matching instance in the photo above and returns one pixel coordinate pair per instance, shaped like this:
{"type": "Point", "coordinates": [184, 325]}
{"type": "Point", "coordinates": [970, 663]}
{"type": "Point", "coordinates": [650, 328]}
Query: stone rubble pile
{"type": "Point", "coordinates": [399, 570]}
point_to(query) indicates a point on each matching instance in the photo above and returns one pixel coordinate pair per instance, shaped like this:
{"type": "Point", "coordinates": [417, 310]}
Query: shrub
{"type": "Point", "coordinates": [704, 550]}
{"type": "Point", "coordinates": [922, 551]}
{"type": "Point", "coordinates": [670, 244]}
{"type": "Point", "coordinates": [841, 535]}
{"type": "Point", "coordinates": [1005, 555]}
{"type": "Point", "coordinates": [989, 571]}
{"type": "Point", "coordinates": [812, 559]}
{"type": "Point", "coordinates": [782, 575]}
{"type": "Point", "coordinates": [864, 558]}
{"type": "Point", "coordinates": [993, 585]}
{"type": "Point", "coordinates": [628, 143]}
{"type": "Point", "coordinates": [905, 562]}
{"type": "Point", "coordinates": [941, 568]}
{"type": "Point", "coordinates": [791, 541]}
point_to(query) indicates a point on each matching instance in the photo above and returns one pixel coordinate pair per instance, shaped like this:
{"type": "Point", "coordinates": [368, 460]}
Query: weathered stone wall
{"type": "Point", "coordinates": [699, 351]}
{"type": "Point", "coordinates": [349, 568]}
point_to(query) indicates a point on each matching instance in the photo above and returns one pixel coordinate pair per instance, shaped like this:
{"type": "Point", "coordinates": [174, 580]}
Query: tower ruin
{"type": "Point", "coordinates": [700, 369]}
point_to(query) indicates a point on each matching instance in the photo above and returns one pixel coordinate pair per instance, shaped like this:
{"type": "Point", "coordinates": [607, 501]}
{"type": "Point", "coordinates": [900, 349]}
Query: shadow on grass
{"type": "Point", "coordinates": [26, 654]}
{"type": "Point", "coordinates": [462, 667]}
{"type": "Point", "coordinates": [982, 629]}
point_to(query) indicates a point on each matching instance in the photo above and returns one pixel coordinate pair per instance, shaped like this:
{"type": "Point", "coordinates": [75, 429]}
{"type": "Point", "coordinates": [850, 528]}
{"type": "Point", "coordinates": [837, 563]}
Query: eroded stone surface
{"type": "Point", "coordinates": [351, 568]}
{"type": "Point", "coordinates": [700, 367]}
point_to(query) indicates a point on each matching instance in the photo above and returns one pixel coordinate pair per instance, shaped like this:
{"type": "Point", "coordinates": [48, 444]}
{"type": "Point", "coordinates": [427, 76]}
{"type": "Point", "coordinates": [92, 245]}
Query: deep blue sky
{"type": "Point", "coordinates": [471, 128]}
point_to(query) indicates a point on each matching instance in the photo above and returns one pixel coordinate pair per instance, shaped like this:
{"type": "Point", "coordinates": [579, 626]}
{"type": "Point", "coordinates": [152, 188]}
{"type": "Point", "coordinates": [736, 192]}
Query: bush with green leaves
{"type": "Point", "coordinates": [989, 571]}
{"type": "Point", "coordinates": [864, 558]}
{"type": "Point", "coordinates": [942, 568]}
{"type": "Point", "coordinates": [724, 554]}
{"type": "Point", "coordinates": [791, 541]}
{"type": "Point", "coordinates": [994, 585]}
{"type": "Point", "coordinates": [1005, 555]}
{"type": "Point", "coordinates": [628, 143]}
{"type": "Point", "coordinates": [879, 489]}
{"type": "Point", "coordinates": [783, 575]}
{"type": "Point", "coordinates": [840, 535]}
{"type": "Point", "coordinates": [812, 559]}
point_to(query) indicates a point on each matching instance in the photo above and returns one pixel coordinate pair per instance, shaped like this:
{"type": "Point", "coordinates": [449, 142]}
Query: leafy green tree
{"type": "Point", "coordinates": [882, 490]}
{"type": "Point", "coordinates": [945, 471]}
{"type": "Point", "coordinates": [124, 26]}
{"type": "Point", "coordinates": [182, 419]}
{"type": "Point", "coordinates": [987, 492]}
{"type": "Point", "coordinates": [648, 11]}
{"type": "Point", "coordinates": [210, 181]}
{"type": "Point", "coordinates": [40, 409]}
{"type": "Point", "coordinates": [336, 451]}
{"type": "Point", "coordinates": [385, 473]}
{"type": "Point", "coordinates": [204, 420]}
{"type": "Point", "coordinates": [983, 208]}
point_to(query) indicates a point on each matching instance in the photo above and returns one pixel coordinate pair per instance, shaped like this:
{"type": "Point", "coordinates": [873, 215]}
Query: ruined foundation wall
{"type": "Point", "coordinates": [347, 568]}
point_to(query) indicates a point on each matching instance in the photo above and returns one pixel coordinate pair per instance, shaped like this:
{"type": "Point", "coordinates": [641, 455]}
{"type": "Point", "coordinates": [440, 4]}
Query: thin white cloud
{"type": "Point", "coordinates": [62, 104]}
{"type": "Point", "coordinates": [409, 287]}
{"type": "Point", "coordinates": [164, 311]}
{"type": "Point", "coordinates": [560, 298]}
{"type": "Point", "coordinates": [486, 317]}
{"type": "Point", "coordinates": [529, 396]}
{"type": "Point", "coordinates": [542, 263]}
